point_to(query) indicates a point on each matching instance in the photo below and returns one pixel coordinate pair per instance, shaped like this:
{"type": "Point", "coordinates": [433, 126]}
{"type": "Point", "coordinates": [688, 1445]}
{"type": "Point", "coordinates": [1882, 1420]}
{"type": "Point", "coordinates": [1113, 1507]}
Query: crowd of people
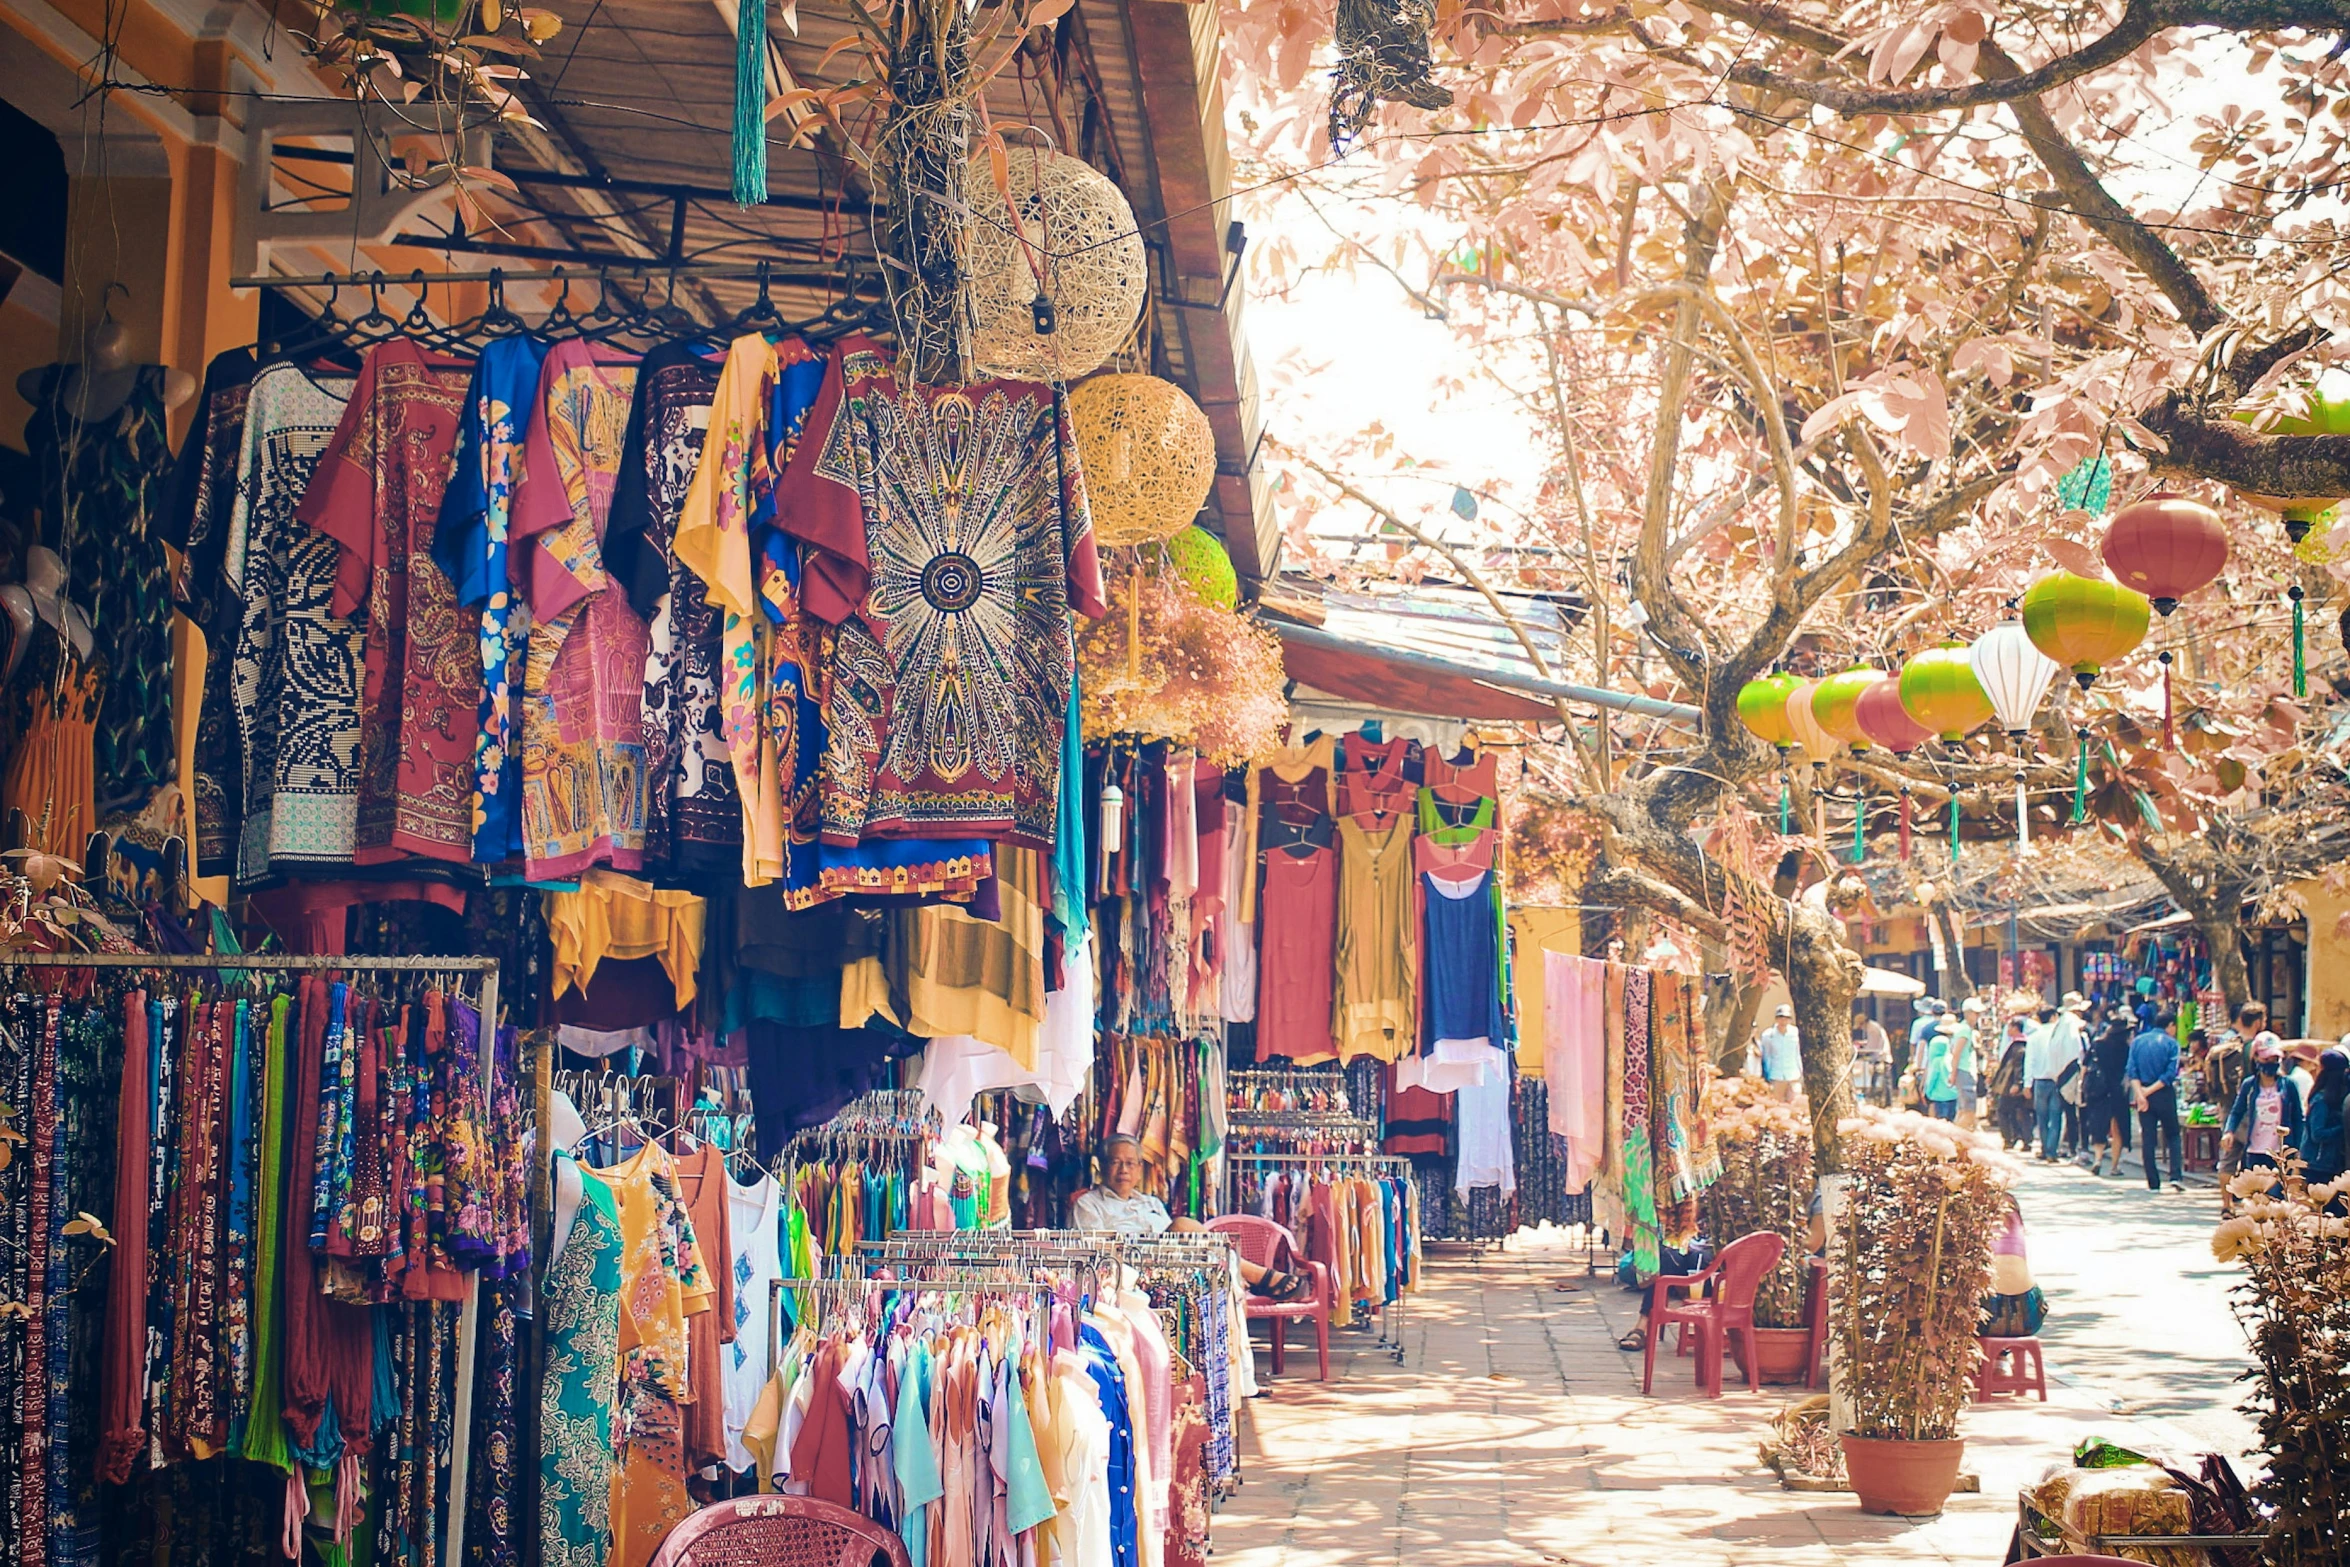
{"type": "Point", "coordinates": [2080, 1081]}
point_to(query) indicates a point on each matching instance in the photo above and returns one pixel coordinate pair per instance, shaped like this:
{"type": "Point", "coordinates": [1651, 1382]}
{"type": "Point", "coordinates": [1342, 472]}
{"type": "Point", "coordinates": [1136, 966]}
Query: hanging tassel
{"type": "Point", "coordinates": [2169, 739]}
{"type": "Point", "coordinates": [750, 103]}
{"type": "Point", "coordinates": [2300, 662]}
{"type": "Point", "coordinates": [2081, 780]}
{"type": "Point", "coordinates": [1904, 824]}
{"type": "Point", "coordinates": [1954, 824]}
{"type": "Point", "coordinates": [1819, 822]}
{"type": "Point", "coordinates": [2023, 816]}
{"type": "Point", "coordinates": [1860, 822]}
{"type": "Point", "coordinates": [1786, 804]}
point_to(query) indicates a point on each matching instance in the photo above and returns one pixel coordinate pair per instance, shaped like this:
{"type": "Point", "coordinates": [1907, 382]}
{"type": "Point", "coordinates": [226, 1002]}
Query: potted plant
{"type": "Point", "coordinates": [1909, 1260]}
{"type": "Point", "coordinates": [1765, 1184]}
{"type": "Point", "coordinates": [2296, 1259]}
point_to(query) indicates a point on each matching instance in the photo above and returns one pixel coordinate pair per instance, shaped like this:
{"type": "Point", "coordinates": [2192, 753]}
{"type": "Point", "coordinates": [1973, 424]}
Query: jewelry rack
{"type": "Point", "coordinates": [1323, 1087]}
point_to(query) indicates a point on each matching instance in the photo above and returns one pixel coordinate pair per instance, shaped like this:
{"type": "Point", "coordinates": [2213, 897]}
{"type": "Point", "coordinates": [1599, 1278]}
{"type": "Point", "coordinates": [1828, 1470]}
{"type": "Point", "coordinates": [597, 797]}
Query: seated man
{"type": "Point", "coordinates": [1125, 1209]}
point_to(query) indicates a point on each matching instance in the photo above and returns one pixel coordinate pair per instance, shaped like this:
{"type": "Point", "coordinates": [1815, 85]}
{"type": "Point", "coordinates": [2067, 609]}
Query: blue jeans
{"type": "Point", "coordinates": [2048, 1111]}
{"type": "Point", "coordinates": [1942, 1109]}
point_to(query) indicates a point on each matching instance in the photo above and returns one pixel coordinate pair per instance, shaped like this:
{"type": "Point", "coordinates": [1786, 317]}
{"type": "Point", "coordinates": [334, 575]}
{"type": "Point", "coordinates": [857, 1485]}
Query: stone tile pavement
{"type": "Point", "coordinates": [1515, 1432]}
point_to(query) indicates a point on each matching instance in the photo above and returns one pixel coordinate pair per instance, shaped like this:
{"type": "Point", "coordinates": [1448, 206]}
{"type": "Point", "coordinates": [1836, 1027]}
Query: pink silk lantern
{"type": "Point", "coordinates": [1886, 722]}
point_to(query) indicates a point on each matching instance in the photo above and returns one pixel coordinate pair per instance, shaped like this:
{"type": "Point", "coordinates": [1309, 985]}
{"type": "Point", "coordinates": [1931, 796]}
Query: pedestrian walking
{"type": "Point", "coordinates": [2052, 1058]}
{"type": "Point", "coordinates": [1939, 1081]}
{"type": "Point", "coordinates": [2266, 1117]}
{"type": "Point", "coordinates": [2322, 1151]}
{"type": "Point", "coordinates": [2301, 1068]}
{"type": "Point", "coordinates": [2011, 1091]}
{"type": "Point", "coordinates": [2105, 1103]}
{"type": "Point", "coordinates": [1872, 1057]}
{"type": "Point", "coordinates": [2154, 1088]}
{"type": "Point", "coordinates": [1781, 1049]}
{"type": "Point", "coordinates": [2231, 1058]}
{"type": "Point", "coordinates": [1966, 1057]}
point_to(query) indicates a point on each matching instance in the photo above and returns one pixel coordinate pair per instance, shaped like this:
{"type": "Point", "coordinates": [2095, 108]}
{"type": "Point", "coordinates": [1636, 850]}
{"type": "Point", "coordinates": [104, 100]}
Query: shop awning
{"type": "Point", "coordinates": [1413, 682]}
{"type": "Point", "coordinates": [1889, 982]}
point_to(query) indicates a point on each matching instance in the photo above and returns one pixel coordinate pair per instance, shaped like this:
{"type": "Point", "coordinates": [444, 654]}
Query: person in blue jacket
{"type": "Point", "coordinates": [2266, 1118]}
{"type": "Point", "coordinates": [2321, 1141]}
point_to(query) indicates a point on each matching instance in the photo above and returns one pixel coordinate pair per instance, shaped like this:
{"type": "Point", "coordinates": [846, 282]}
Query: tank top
{"type": "Point", "coordinates": [1464, 1003]}
{"type": "Point", "coordinates": [1462, 782]}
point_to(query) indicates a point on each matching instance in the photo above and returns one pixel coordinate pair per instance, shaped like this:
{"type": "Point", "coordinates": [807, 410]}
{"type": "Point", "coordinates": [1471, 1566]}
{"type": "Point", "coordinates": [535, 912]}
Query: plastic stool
{"type": "Point", "coordinates": [2010, 1365]}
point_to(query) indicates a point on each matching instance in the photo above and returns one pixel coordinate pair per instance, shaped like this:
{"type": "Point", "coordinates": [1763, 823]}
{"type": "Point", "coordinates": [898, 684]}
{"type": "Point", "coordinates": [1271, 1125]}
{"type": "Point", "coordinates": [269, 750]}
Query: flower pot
{"type": "Point", "coordinates": [1785, 1353]}
{"type": "Point", "coordinates": [1912, 1478]}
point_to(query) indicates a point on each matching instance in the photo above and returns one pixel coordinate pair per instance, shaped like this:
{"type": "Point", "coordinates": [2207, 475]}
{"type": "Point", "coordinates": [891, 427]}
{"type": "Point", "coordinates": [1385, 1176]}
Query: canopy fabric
{"type": "Point", "coordinates": [1889, 982]}
{"type": "Point", "coordinates": [1406, 685]}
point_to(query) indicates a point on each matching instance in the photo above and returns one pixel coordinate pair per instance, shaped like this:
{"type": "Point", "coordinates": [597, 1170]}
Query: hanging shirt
{"type": "Point", "coordinates": [378, 495]}
{"type": "Point", "coordinates": [950, 539]}
{"type": "Point", "coordinates": [295, 684]}
{"type": "Point", "coordinates": [1377, 1010]}
{"type": "Point", "coordinates": [693, 821]}
{"type": "Point", "coordinates": [757, 1216]}
{"type": "Point", "coordinates": [470, 546]}
{"type": "Point", "coordinates": [583, 738]}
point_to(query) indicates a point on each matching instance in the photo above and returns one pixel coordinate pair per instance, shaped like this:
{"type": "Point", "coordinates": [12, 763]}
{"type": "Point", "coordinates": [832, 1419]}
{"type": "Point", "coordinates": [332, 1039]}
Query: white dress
{"type": "Point", "coordinates": [756, 1216]}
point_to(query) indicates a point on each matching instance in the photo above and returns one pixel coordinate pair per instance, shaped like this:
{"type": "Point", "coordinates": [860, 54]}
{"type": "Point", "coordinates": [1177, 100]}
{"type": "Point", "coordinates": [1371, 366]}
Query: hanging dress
{"type": "Point", "coordinates": [295, 684]}
{"type": "Point", "coordinates": [1376, 1011]}
{"type": "Point", "coordinates": [377, 494]}
{"type": "Point", "coordinates": [196, 523]}
{"type": "Point", "coordinates": [471, 546]}
{"type": "Point", "coordinates": [693, 823]}
{"type": "Point", "coordinates": [103, 485]}
{"type": "Point", "coordinates": [581, 1308]}
{"type": "Point", "coordinates": [1299, 921]}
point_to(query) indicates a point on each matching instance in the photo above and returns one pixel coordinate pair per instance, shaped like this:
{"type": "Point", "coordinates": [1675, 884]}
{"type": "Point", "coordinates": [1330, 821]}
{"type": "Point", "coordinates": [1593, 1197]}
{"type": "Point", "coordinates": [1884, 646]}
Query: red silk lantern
{"type": "Point", "coordinates": [1885, 721]}
{"type": "Point", "coordinates": [2166, 547]}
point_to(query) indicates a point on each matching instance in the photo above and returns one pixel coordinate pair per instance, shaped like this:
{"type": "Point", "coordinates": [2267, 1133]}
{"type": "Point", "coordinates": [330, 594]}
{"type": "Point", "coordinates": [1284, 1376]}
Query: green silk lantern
{"type": "Point", "coordinates": [2084, 623]}
{"type": "Point", "coordinates": [1835, 702]}
{"type": "Point", "coordinates": [1762, 708]}
{"type": "Point", "coordinates": [1939, 689]}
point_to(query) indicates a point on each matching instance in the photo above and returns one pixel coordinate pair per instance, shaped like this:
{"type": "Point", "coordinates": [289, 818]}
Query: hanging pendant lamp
{"type": "Point", "coordinates": [2084, 623]}
{"type": "Point", "coordinates": [1762, 708]}
{"type": "Point", "coordinates": [1886, 722]}
{"type": "Point", "coordinates": [1940, 689]}
{"type": "Point", "coordinates": [2166, 547]}
{"type": "Point", "coordinates": [2015, 675]}
{"type": "Point", "coordinates": [1818, 746]}
{"type": "Point", "coordinates": [1836, 700]}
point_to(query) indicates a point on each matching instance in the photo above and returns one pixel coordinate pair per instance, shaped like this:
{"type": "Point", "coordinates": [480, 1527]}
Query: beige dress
{"type": "Point", "coordinates": [1376, 1011]}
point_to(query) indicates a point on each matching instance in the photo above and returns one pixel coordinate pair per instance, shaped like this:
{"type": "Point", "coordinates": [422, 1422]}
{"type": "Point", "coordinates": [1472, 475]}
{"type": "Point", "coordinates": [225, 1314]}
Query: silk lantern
{"type": "Point", "coordinates": [2084, 623]}
{"type": "Point", "coordinates": [1199, 558]}
{"type": "Point", "coordinates": [1886, 722]}
{"type": "Point", "coordinates": [1762, 708]}
{"type": "Point", "coordinates": [2166, 547]}
{"type": "Point", "coordinates": [1939, 688]}
{"type": "Point", "coordinates": [1818, 745]}
{"type": "Point", "coordinates": [2015, 675]}
{"type": "Point", "coordinates": [1835, 701]}
{"type": "Point", "coordinates": [2327, 412]}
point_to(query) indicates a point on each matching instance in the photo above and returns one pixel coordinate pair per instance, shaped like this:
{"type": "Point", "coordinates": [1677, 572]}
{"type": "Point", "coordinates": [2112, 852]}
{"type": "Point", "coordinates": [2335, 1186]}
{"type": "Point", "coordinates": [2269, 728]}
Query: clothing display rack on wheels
{"type": "Point", "coordinates": [361, 1131]}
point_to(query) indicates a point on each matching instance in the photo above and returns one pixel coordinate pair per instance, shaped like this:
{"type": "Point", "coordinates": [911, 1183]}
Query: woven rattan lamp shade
{"type": "Point", "coordinates": [1149, 456]}
{"type": "Point", "coordinates": [1068, 233]}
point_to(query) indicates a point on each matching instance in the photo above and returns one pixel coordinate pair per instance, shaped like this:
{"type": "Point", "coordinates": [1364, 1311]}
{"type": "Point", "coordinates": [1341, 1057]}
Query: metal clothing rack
{"type": "Point", "coordinates": [1376, 1165]}
{"type": "Point", "coordinates": [469, 1314]}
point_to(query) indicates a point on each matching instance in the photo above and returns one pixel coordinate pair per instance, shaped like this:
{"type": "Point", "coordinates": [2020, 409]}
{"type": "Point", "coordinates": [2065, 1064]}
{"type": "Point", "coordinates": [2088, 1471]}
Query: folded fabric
{"type": "Point", "coordinates": [616, 916]}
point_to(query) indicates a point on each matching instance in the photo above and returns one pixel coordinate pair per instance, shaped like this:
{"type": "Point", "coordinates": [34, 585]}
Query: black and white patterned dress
{"type": "Point", "coordinates": [295, 682]}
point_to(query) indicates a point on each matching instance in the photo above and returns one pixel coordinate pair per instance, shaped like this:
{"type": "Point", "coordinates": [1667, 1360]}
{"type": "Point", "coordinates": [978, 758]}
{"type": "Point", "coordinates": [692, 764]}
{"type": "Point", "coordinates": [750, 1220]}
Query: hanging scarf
{"type": "Point", "coordinates": [1639, 1146]}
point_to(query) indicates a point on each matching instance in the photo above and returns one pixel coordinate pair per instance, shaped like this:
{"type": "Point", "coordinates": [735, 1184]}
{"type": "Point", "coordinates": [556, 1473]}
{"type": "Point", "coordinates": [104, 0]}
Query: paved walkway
{"type": "Point", "coordinates": [1515, 1431]}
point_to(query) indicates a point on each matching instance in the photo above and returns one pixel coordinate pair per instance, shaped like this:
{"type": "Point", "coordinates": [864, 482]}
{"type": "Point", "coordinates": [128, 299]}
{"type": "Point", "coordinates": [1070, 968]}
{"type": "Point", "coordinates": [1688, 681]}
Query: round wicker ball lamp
{"type": "Point", "coordinates": [1056, 274]}
{"type": "Point", "coordinates": [1148, 453]}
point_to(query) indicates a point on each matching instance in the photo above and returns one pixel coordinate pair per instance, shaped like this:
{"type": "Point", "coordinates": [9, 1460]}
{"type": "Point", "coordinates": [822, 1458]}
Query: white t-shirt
{"type": "Point", "coordinates": [1099, 1208]}
{"type": "Point", "coordinates": [2268, 1119]}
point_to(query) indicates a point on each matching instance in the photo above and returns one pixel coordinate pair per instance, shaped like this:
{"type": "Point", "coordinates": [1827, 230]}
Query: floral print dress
{"type": "Point", "coordinates": [581, 1311]}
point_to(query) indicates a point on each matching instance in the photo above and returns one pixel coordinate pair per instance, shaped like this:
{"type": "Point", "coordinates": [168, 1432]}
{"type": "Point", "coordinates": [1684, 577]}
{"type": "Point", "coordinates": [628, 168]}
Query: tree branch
{"type": "Point", "coordinates": [1767, 400]}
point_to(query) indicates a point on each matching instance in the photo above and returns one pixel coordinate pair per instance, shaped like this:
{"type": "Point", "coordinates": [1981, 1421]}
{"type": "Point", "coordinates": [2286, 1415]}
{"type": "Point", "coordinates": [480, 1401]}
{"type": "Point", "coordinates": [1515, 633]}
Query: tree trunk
{"type": "Point", "coordinates": [1728, 1045]}
{"type": "Point", "coordinates": [1823, 976]}
{"type": "Point", "coordinates": [2193, 875]}
{"type": "Point", "coordinates": [1956, 986]}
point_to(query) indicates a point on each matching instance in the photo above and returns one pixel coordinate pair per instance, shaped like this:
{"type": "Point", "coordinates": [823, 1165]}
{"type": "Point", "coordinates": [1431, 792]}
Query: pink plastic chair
{"type": "Point", "coordinates": [780, 1531]}
{"type": "Point", "coordinates": [1268, 1245]}
{"type": "Point", "coordinates": [1733, 1282]}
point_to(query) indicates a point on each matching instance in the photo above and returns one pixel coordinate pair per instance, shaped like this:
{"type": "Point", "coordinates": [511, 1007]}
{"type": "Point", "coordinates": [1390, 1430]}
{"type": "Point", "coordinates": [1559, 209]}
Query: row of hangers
{"type": "Point", "coordinates": [638, 319]}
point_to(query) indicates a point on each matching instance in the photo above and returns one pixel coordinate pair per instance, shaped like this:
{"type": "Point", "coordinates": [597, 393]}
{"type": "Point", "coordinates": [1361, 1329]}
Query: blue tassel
{"type": "Point", "coordinates": [750, 104]}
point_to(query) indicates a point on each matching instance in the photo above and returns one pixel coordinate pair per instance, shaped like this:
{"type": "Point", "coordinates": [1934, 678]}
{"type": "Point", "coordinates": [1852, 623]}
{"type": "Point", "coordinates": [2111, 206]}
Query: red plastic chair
{"type": "Point", "coordinates": [1727, 1308]}
{"type": "Point", "coordinates": [2082, 1561]}
{"type": "Point", "coordinates": [780, 1531]}
{"type": "Point", "coordinates": [1268, 1245]}
{"type": "Point", "coordinates": [2010, 1365]}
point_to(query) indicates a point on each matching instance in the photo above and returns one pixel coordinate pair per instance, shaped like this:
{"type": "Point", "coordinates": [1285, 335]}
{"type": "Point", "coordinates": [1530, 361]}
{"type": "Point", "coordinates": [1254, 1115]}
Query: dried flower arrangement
{"type": "Point", "coordinates": [1766, 1185]}
{"type": "Point", "coordinates": [1165, 664]}
{"type": "Point", "coordinates": [2294, 1300]}
{"type": "Point", "coordinates": [1909, 1259]}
